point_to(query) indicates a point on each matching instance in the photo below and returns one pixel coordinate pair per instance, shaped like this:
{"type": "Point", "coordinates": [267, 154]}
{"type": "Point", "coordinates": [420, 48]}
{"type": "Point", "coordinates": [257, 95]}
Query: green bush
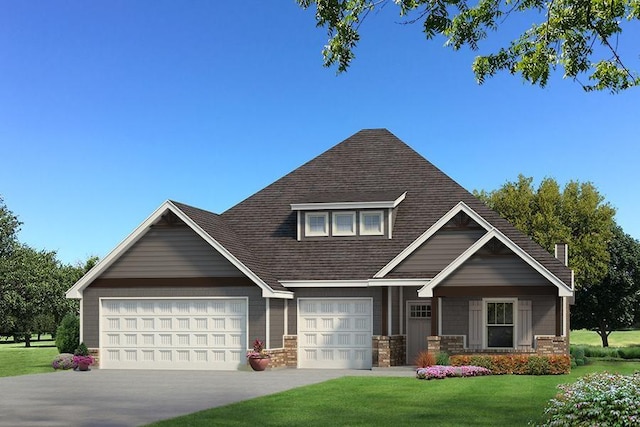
{"type": "Point", "coordinates": [82, 350]}
{"type": "Point", "coordinates": [442, 358]}
{"type": "Point", "coordinates": [599, 399]}
{"type": "Point", "coordinates": [68, 334]}
{"type": "Point", "coordinates": [591, 351]}
{"type": "Point", "coordinates": [629, 352]}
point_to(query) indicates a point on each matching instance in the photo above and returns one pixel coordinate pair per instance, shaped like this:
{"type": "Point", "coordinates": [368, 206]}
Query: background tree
{"type": "Point", "coordinates": [576, 215]}
{"type": "Point", "coordinates": [612, 303]}
{"type": "Point", "coordinates": [32, 284]}
{"type": "Point", "coordinates": [580, 36]}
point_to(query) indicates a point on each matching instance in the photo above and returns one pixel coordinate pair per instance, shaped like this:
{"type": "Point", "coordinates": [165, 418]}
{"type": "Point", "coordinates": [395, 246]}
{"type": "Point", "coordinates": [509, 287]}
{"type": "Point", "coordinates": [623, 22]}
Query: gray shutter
{"type": "Point", "coordinates": [525, 338]}
{"type": "Point", "coordinates": [475, 324]}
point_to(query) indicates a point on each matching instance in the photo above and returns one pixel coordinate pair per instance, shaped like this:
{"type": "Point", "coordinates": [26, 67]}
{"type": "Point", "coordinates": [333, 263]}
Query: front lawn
{"type": "Point", "coordinates": [362, 401]}
{"type": "Point", "coordinates": [616, 339]}
{"type": "Point", "coordinates": [15, 359]}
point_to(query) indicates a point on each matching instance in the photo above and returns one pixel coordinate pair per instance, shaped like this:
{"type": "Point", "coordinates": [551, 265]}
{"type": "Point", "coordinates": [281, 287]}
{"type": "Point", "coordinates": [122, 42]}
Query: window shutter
{"type": "Point", "coordinates": [475, 324]}
{"type": "Point", "coordinates": [525, 338]}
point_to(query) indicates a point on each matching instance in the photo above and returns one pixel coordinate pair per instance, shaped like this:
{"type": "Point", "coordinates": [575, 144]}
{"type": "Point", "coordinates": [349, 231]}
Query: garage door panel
{"type": "Point", "coordinates": [335, 333]}
{"type": "Point", "coordinates": [173, 334]}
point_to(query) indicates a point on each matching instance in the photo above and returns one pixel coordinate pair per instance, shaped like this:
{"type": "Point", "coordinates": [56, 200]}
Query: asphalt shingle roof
{"type": "Point", "coordinates": [261, 230]}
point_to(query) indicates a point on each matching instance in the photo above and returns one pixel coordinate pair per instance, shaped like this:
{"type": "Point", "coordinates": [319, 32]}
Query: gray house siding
{"type": "Point", "coordinates": [438, 252]}
{"type": "Point", "coordinates": [168, 288]}
{"type": "Point", "coordinates": [375, 293]}
{"type": "Point", "coordinates": [171, 252]}
{"type": "Point", "coordinates": [276, 327]}
{"type": "Point", "coordinates": [455, 314]}
{"type": "Point", "coordinates": [502, 270]}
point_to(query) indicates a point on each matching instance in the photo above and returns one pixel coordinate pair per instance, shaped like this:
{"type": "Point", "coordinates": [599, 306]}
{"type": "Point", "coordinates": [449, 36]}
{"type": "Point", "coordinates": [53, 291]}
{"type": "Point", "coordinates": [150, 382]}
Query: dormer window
{"type": "Point", "coordinates": [347, 215]}
{"type": "Point", "coordinates": [344, 224]}
{"type": "Point", "coordinates": [371, 223]}
{"type": "Point", "coordinates": [317, 224]}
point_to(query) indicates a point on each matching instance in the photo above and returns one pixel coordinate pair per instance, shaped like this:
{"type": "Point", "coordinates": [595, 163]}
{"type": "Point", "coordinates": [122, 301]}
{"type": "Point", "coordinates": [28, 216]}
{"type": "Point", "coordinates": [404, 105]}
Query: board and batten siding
{"type": "Point", "coordinates": [375, 293]}
{"type": "Point", "coordinates": [503, 270]}
{"type": "Point", "coordinates": [92, 295]}
{"type": "Point", "coordinates": [171, 252]}
{"type": "Point", "coordinates": [439, 251]}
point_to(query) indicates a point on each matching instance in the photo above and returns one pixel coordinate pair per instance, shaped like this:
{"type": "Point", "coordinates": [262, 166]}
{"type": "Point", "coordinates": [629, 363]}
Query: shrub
{"type": "Point", "coordinates": [68, 334]}
{"type": "Point", "coordinates": [629, 352]}
{"type": "Point", "coordinates": [63, 361]}
{"type": "Point", "coordinates": [82, 350]}
{"type": "Point", "coordinates": [440, 372]}
{"type": "Point", "coordinates": [442, 358]}
{"type": "Point", "coordinates": [592, 351]}
{"type": "Point", "coordinates": [424, 359]}
{"type": "Point", "coordinates": [519, 364]}
{"type": "Point", "coordinates": [600, 399]}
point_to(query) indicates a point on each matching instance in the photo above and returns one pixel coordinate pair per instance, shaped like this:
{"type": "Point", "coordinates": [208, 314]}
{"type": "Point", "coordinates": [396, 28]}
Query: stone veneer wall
{"type": "Point", "coordinates": [454, 344]}
{"type": "Point", "coordinates": [388, 351]}
{"type": "Point", "coordinates": [95, 353]}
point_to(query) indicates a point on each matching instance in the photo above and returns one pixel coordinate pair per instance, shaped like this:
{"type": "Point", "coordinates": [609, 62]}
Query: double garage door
{"type": "Point", "coordinates": [206, 333]}
{"type": "Point", "coordinates": [335, 333]}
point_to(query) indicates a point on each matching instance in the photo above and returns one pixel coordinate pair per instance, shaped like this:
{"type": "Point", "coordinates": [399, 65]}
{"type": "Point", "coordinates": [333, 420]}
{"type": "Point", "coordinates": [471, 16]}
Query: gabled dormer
{"type": "Point", "coordinates": [347, 215]}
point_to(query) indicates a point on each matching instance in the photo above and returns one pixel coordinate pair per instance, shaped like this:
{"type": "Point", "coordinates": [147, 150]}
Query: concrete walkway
{"type": "Point", "coordinates": [108, 398]}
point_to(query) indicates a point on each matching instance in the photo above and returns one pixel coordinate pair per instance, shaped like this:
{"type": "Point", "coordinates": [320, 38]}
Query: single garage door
{"type": "Point", "coordinates": [208, 333]}
{"type": "Point", "coordinates": [335, 333]}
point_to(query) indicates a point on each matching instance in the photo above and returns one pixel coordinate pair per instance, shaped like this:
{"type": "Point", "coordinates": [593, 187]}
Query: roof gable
{"type": "Point", "coordinates": [206, 225]}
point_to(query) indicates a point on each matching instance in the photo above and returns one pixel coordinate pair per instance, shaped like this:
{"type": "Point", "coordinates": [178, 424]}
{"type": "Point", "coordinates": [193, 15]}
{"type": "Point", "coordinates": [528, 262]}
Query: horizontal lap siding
{"type": "Point", "coordinates": [171, 252]}
{"type": "Point", "coordinates": [276, 310]}
{"type": "Point", "coordinates": [91, 303]}
{"type": "Point", "coordinates": [439, 251]}
{"type": "Point", "coordinates": [500, 270]}
{"type": "Point", "coordinates": [375, 293]}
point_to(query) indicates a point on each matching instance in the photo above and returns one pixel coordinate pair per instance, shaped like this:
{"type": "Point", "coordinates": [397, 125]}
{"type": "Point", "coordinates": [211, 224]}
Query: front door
{"type": "Point", "coordinates": [418, 328]}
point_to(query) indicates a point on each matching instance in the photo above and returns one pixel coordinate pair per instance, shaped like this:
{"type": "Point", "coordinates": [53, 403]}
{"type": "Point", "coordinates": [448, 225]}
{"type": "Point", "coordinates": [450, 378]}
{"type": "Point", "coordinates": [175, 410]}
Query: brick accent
{"type": "Point", "coordinates": [434, 344]}
{"type": "Point", "coordinates": [550, 345]}
{"type": "Point", "coordinates": [291, 350]}
{"type": "Point", "coordinates": [380, 351]}
{"type": "Point", "coordinates": [95, 353]}
{"type": "Point", "coordinates": [452, 344]}
{"type": "Point", "coordinates": [278, 358]}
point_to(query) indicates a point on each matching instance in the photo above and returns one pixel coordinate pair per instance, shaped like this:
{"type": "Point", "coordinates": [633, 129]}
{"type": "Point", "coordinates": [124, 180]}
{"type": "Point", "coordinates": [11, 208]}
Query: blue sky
{"type": "Point", "coordinates": [109, 108]}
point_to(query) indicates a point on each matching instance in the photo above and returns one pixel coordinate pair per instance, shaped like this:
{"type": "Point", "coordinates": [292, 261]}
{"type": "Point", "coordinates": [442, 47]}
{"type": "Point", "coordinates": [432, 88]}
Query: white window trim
{"type": "Point", "coordinates": [334, 229]}
{"type": "Point", "coordinates": [485, 335]}
{"type": "Point", "coordinates": [307, 225]}
{"type": "Point", "coordinates": [364, 232]}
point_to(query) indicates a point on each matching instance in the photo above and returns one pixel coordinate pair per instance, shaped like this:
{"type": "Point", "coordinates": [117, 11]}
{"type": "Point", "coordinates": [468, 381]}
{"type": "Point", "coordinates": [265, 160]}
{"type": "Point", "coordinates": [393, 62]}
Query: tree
{"type": "Point", "coordinates": [612, 303]}
{"type": "Point", "coordinates": [577, 216]}
{"type": "Point", "coordinates": [9, 227]}
{"type": "Point", "coordinates": [581, 36]}
{"type": "Point", "coordinates": [27, 285]}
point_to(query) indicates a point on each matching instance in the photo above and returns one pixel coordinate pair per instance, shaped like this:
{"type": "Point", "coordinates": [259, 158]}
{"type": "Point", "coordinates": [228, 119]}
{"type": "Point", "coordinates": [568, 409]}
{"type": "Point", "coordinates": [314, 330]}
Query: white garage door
{"type": "Point", "coordinates": [335, 333]}
{"type": "Point", "coordinates": [173, 333]}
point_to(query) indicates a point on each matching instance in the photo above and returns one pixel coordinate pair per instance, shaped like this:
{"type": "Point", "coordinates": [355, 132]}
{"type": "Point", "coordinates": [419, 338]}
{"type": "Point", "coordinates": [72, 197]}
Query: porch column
{"type": "Point", "coordinates": [435, 315]}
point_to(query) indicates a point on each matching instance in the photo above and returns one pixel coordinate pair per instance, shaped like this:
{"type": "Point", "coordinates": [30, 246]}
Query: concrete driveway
{"type": "Point", "coordinates": [131, 398]}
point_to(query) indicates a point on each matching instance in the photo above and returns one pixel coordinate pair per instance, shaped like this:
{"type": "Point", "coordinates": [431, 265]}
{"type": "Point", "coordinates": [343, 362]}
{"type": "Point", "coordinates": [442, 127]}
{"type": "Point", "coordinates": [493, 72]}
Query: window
{"type": "Point", "coordinates": [344, 224]}
{"type": "Point", "coordinates": [317, 224]}
{"type": "Point", "coordinates": [420, 311]}
{"type": "Point", "coordinates": [500, 324]}
{"type": "Point", "coordinates": [371, 223]}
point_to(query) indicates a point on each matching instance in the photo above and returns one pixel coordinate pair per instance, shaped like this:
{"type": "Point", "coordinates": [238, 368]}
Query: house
{"type": "Point", "coordinates": [361, 257]}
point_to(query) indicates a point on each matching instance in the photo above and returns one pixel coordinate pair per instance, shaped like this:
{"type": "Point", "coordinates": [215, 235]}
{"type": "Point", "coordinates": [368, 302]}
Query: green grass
{"type": "Point", "coordinates": [616, 339]}
{"type": "Point", "coordinates": [15, 359]}
{"type": "Point", "coordinates": [364, 401]}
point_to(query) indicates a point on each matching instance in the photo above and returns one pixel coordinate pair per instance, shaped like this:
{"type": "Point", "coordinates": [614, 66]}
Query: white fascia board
{"type": "Point", "coordinates": [388, 204]}
{"type": "Point", "coordinates": [399, 282]}
{"type": "Point", "coordinates": [460, 207]}
{"type": "Point", "coordinates": [563, 289]}
{"type": "Point", "coordinates": [324, 283]}
{"type": "Point", "coordinates": [75, 292]}
{"type": "Point", "coordinates": [353, 283]}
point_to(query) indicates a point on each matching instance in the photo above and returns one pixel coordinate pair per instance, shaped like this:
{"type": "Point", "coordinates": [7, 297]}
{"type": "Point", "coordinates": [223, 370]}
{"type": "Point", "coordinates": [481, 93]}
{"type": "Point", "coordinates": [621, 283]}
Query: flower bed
{"type": "Point", "coordinates": [440, 372]}
{"type": "Point", "coordinates": [520, 364]}
{"type": "Point", "coordinates": [599, 399]}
